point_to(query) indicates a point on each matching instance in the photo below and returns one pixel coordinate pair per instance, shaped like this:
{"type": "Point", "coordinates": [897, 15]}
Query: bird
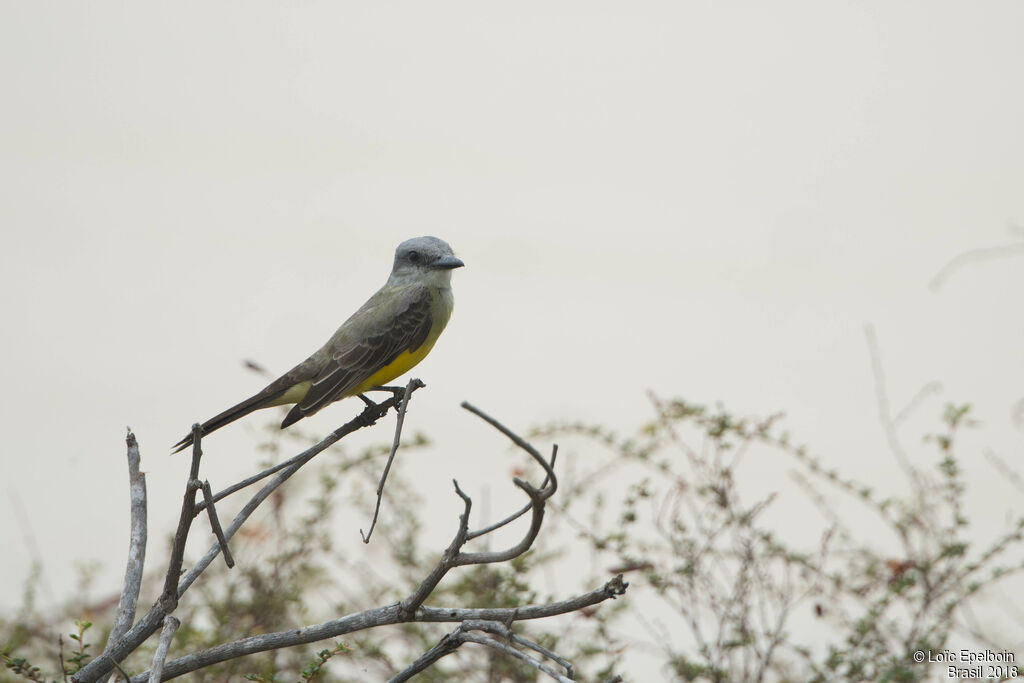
{"type": "Point", "coordinates": [393, 331]}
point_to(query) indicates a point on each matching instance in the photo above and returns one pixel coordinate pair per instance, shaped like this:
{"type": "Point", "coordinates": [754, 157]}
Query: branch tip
{"type": "Point", "coordinates": [461, 493]}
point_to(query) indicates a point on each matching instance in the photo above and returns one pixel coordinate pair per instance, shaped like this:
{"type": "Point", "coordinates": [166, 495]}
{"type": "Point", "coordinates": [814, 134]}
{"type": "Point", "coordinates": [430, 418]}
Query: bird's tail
{"type": "Point", "coordinates": [260, 400]}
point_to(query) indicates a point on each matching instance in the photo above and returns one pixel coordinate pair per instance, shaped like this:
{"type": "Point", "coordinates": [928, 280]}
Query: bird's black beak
{"type": "Point", "coordinates": [447, 263]}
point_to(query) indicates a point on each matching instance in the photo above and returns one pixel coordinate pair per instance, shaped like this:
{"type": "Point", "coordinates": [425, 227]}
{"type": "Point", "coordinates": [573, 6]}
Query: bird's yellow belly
{"type": "Point", "coordinates": [405, 361]}
{"type": "Point", "coordinates": [441, 309]}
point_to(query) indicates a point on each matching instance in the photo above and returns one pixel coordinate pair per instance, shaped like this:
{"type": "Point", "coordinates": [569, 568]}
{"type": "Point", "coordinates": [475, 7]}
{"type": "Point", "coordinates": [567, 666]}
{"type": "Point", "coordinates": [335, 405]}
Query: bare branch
{"type": "Point", "coordinates": [368, 417]}
{"type": "Point", "coordinates": [168, 601]}
{"type": "Point", "coordinates": [512, 652]}
{"type": "Point", "coordinates": [972, 256]}
{"type": "Point", "coordinates": [447, 561]}
{"type": "Point", "coordinates": [515, 515]}
{"type": "Point", "coordinates": [517, 440]}
{"type": "Point", "coordinates": [367, 414]}
{"type": "Point", "coordinates": [136, 547]}
{"type": "Point", "coordinates": [452, 641]}
{"type": "Point", "coordinates": [215, 524]}
{"type": "Point", "coordinates": [884, 412]}
{"type": "Point", "coordinates": [409, 388]}
{"type": "Point", "coordinates": [453, 555]}
{"type": "Point", "coordinates": [380, 616]}
{"type": "Point", "coordinates": [221, 495]}
{"type": "Point", "coordinates": [495, 621]}
{"type": "Point", "coordinates": [156, 672]}
{"type": "Point", "coordinates": [1008, 473]}
{"type": "Point", "coordinates": [504, 631]}
{"type": "Point", "coordinates": [447, 645]}
{"type": "Point", "coordinates": [537, 497]}
{"type": "Point", "coordinates": [184, 519]}
{"type": "Point", "coordinates": [537, 500]}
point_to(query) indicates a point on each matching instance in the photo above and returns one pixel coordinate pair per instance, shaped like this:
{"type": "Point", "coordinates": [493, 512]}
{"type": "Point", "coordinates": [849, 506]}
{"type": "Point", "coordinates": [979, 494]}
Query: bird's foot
{"type": "Point", "coordinates": [398, 393]}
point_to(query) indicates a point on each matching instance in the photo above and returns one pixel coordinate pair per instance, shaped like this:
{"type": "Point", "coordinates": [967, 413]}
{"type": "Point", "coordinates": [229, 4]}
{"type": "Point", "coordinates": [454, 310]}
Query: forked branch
{"type": "Point", "coordinates": [473, 623]}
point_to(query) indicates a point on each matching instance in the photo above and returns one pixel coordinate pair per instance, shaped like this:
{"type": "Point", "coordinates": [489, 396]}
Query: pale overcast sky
{"type": "Point", "coordinates": [708, 200]}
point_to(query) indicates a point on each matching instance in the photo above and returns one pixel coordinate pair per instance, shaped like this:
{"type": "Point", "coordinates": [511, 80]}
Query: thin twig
{"type": "Point", "coordinates": [512, 652]}
{"type": "Point", "coordinates": [136, 547]}
{"type": "Point", "coordinates": [1004, 469]}
{"type": "Point", "coordinates": [215, 524]}
{"type": "Point", "coordinates": [519, 513]}
{"type": "Point", "coordinates": [448, 559]}
{"type": "Point", "coordinates": [184, 519]}
{"type": "Point", "coordinates": [884, 413]}
{"type": "Point", "coordinates": [503, 630]}
{"type": "Point", "coordinates": [156, 672]}
{"type": "Point", "coordinates": [60, 657]}
{"type": "Point", "coordinates": [453, 640]}
{"type": "Point", "coordinates": [983, 254]}
{"type": "Point", "coordinates": [517, 440]}
{"type": "Point", "coordinates": [537, 496]}
{"type": "Point", "coordinates": [447, 645]}
{"type": "Point", "coordinates": [368, 417]}
{"type": "Point", "coordinates": [453, 555]}
{"type": "Point", "coordinates": [221, 495]}
{"type": "Point", "coordinates": [924, 392]}
{"type": "Point", "coordinates": [409, 388]}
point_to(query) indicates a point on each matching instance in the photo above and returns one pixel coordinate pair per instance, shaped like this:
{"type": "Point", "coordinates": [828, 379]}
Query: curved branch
{"type": "Point", "coordinates": [380, 616]}
{"type": "Point", "coordinates": [515, 515]}
{"type": "Point", "coordinates": [452, 641]}
{"type": "Point", "coordinates": [519, 441]}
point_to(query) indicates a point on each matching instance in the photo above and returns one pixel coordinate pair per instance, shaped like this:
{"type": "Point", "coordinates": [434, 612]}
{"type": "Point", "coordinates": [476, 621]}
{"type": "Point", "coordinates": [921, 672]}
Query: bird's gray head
{"type": "Point", "coordinates": [426, 259]}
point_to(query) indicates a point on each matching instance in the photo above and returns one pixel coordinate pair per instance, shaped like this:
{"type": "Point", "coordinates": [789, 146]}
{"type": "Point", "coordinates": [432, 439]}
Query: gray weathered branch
{"type": "Point", "coordinates": [156, 672]}
{"type": "Point", "coordinates": [452, 641]}
{"type": "Point", "coordinates": [381, 616]}
{"type": "Point", "coordinates": [409, 388]}
{"type": "Point", "coordinates": [496, 621]}
{"type": "Point", "coordinates": [218, 532]}
{"type": "Point", "coordinates": [168, 600]}
{"type": "Point", "coordinates": [136, 547]}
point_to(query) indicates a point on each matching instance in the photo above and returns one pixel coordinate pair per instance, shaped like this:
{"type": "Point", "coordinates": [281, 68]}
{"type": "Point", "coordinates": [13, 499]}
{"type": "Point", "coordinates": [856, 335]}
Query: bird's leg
{"type": "Point", "coordinates": [397, 392]}
{"type": "Point", "coordinates": [371, 413]}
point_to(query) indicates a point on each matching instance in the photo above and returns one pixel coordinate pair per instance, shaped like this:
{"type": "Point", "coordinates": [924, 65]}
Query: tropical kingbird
{"type": "Point", "coordinates": [393, 331]}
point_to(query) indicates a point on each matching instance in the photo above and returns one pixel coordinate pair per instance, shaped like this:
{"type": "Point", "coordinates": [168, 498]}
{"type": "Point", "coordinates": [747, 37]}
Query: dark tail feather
{"type": "Point", "coordinates": [293, 416]}
{"type": "Point", "coordinates": [230, 415]}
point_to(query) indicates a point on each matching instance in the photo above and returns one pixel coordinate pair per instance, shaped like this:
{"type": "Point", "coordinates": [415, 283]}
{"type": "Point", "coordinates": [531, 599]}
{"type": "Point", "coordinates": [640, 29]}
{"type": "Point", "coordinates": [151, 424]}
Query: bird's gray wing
{"type": "Point", "coordinates": [402, 324]}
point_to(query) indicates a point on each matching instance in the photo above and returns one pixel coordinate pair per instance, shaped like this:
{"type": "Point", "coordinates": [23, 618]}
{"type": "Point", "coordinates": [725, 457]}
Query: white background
{"type": "Point", "coordinates": [706, 200]}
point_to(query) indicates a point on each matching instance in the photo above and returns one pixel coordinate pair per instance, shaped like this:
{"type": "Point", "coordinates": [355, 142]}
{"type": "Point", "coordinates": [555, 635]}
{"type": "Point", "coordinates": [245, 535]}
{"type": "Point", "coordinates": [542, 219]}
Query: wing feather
{"type": "Point", "coordinates": [355, 360]}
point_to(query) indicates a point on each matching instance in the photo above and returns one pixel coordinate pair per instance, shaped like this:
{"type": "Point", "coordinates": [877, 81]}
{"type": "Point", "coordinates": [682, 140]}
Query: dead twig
{"type": "Point", "coordinates": [974, 256]}
{"type": "Point", "coordinates": [215, 525]}
{"type": "Point", "coordinates": [497, 621]}
{"type": "Point", "coordinates": [175, 585]}
{"type": "Point", "coordinates": [463, 634]}
{"type": "Point", "coordinates": [409, 388]}
{"type": "Point", "coordinates": [156, 671]}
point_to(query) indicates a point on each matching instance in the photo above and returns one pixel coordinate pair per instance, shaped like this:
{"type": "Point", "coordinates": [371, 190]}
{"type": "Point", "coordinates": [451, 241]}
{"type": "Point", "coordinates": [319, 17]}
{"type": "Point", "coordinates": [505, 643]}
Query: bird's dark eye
{"type": "Point", "coordinates": [414, 257]}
